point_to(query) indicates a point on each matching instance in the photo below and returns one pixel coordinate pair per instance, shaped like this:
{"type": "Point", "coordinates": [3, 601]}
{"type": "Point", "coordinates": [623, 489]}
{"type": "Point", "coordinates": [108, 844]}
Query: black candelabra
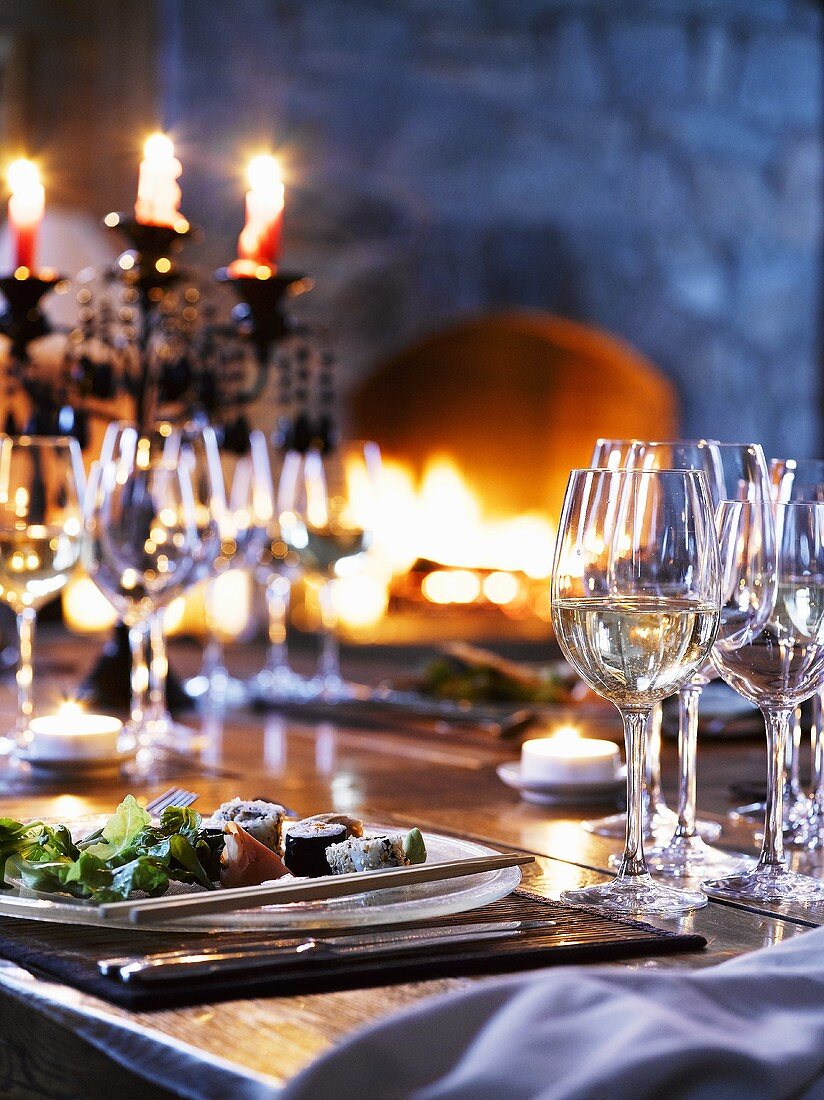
{"type": "Point", "coordinates": [153, 342]}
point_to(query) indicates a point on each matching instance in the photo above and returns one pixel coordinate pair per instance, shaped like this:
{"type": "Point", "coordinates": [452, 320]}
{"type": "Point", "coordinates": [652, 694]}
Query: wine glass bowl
{"type": "Point", "coordinates": [635, 607]}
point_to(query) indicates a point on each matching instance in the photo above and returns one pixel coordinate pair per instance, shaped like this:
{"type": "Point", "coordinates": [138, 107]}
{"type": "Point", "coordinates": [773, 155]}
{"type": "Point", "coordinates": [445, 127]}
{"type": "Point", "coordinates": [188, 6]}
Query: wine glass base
{"type": "Point", "coordinates": [661, 824]}
{"type": "Point", "coordinates": [690, 857]}
{"type": "Point", "coordinates": [218, 690]}
{"type": "Point", "coordinates": [768, 884]}
{"type": "Point", "coordinates": [281, 685]}
{"type": "Point", "coordinates": [8, 745]}
{"type": "Point", "coordinates": [639, 896]}
{"type": "Point", "coordinates": [331, 689]}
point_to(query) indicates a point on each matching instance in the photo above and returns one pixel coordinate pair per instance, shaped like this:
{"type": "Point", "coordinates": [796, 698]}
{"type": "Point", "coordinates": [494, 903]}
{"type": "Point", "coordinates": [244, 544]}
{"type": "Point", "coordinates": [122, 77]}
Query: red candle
{"type": "Point", "coordinates": [158, 194]}
{"type": "Point", "coordinates": [26, 206]}
{"type": "Point", "coordinates": [259, 242]}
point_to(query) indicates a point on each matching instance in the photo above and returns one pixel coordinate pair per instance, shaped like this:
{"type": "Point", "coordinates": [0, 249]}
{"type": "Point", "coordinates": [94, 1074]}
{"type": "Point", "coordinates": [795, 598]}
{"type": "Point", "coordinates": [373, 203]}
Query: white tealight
{"type": "Point", "coordinates": [568, 758]}
{"type": "Point", "coordinates": [73, 735]}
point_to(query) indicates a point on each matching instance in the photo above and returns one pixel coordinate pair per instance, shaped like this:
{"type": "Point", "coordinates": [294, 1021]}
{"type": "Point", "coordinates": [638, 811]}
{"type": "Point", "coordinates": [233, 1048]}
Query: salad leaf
{"type": "Point", "coordinates": [122, 829]}
{"type": "Point", "coordinates": [180, 819]}
{"type": "Point", "coordinates": [183, 853]}
{"type": "Point", "coordinates": [130, 853]}
{"type": "Point", "coordinates": [143, 873]}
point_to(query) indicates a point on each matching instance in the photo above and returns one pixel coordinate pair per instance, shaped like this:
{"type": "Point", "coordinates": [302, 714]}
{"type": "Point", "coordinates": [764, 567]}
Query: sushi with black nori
{"type": "Point", "coordinates": [306, 844]}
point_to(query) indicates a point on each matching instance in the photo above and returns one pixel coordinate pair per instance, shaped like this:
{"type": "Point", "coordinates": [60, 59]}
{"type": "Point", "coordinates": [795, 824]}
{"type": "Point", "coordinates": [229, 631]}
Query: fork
{"type": "Point", "coordinates": [174, 796]}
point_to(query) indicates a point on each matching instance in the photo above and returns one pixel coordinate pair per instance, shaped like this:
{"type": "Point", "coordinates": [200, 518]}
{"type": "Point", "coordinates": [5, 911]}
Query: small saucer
{"type": "Point", "coordinates": [75, 764]}
{"type": "Point", "coordinates": [561, 794]}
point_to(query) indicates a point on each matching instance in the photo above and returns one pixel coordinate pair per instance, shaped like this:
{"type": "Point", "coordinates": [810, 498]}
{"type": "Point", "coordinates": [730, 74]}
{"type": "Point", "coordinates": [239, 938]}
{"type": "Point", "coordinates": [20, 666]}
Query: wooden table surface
{"type": "Point", "coordinates": [444, 782]}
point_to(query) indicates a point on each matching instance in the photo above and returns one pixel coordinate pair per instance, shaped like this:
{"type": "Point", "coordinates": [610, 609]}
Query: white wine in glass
{"type": "Point", "coordinates": [41, 485]}
{"type": "Point", "coordinates": [635, 607]}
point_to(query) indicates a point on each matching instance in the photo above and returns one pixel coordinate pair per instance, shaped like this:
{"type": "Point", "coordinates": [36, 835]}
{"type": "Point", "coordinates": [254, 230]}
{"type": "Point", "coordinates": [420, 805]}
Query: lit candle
{"type": "Point", "coordinates": [71, 734]}
{"type": "Point", "coordinates": [259, 241]}
{"type": "Point", "coordinates": [158, 195]}
{"type": "Point", "coordinates": [26, 206]}
{"type": "Point", "coordinates": [569, 758]}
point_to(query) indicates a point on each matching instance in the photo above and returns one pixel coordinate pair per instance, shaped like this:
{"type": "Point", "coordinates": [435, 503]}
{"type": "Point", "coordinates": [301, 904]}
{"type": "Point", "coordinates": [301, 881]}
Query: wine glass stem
{"type": "Point", "coordinates": [25, 671]}
{"type": "Point", "coordinates": [138, 639]}
{"type": "Point", "coordinates": [329, 665]}
{"type": "Point", "coordinates": [778, 728]}
{"type": "Point", "coordinates": [278, 591]}
{"type": "Point", "coordinates": [653, 795]}
{"type": "Point", "coordinates": [213, 663]}
{"type": "Point", "coordinates": [635, 728]}
{"type": "Point", "coordinates": [158, 667]}
{"type": "Point", "coordinates": [688, 699]}
{"type": "Point", "coordinates": [817, 739]}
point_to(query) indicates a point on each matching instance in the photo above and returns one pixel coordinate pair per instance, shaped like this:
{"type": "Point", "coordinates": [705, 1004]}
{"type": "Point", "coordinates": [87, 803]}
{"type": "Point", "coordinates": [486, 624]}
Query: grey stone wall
{"type": "Point", "coordinates": [651, 166]}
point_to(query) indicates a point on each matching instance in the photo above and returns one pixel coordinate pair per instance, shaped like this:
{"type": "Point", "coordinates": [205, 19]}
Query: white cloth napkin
{"type": "Point", "coordinates": [749, 1028]}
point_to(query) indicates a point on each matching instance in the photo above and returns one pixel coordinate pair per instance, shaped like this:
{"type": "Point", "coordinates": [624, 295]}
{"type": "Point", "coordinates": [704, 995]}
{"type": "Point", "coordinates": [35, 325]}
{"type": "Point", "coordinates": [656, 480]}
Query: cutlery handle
{"type": "Point", "coordinates": [204, 966]}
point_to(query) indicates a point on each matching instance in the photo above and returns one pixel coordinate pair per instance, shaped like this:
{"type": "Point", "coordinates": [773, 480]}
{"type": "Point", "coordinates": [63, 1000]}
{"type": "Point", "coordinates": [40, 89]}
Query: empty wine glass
{"type": "Point", "coordinates": [144, 549]}
{"type": "Point", "coordinates": [250, 516]}
{"type": "Point", "coordinates": [41, 486]}
{"type": "Point", "coordinates": [733, 471]}
{"type": "Point", "coordinates": [770, 648]}
{"type": "Point", "coordinates": [276, 568]}
{"type": "Point", "coordinates": [635, 606]}
{"type": "Point", "coordinates": [193, 446]}
{"type": "Point", "coordinates": [326, 507]}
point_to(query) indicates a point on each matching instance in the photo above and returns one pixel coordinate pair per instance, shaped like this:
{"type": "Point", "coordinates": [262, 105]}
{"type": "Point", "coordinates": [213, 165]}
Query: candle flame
{"type": "Point", "coordinates": [264, 174]}
{"type": "Point", "coordinates": [158, 147]}
{"type": "Point", "coordinates": [566, 739]}
{"type": "Point", "coordinates": [22, 176]}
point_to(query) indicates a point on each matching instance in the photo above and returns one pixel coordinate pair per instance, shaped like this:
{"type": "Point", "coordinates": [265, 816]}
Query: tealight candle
{"type": "Point", "coordinates": [71, 734]}
{"type": "Point", "coordinates": [568, 758]}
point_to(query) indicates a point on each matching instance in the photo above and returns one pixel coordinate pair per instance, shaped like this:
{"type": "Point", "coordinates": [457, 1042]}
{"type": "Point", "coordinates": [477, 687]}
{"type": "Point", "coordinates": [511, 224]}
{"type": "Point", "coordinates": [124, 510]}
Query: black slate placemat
{"type": "Point", "coordinates": [69, 954]}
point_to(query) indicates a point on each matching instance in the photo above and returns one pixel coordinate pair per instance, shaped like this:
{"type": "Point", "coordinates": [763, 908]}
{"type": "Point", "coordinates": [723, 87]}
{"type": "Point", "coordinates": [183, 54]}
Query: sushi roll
{"type": "Point", "coordinates": [306, 845]}
{"type": "Point", "coordinates": [366, 853]}
{"type": "Point", "coordinates": [261, 820]}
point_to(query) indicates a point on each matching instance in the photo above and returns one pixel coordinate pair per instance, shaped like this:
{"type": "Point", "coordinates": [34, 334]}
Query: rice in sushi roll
{"type": "Point", "coordinates": [366, 853]}
{"type": "Point", "coordinates": [262, 820]}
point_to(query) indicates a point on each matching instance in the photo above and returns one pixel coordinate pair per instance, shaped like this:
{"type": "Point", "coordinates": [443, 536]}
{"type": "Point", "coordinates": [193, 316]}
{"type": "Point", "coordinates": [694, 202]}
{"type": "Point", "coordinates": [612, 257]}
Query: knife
{"type": "Point", "coordinates": [175, 965]}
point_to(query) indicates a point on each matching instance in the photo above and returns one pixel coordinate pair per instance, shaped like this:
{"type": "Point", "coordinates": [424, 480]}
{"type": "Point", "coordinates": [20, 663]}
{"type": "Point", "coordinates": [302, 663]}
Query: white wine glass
{"type": "Point", "coordinates": [733, 471]}
{"type": "Point", "coordinates": [770, 649]}
{"type": "Point", "coordinates": [635, 607]}
{"type": "Point", "coordinates": [326, 508]}
{"type": "Point", "coordinates": [612, 454]}
{"type": "Point", "coordinates": [802, 479]}
{"type": "Point", "coordinates": [41, 489]}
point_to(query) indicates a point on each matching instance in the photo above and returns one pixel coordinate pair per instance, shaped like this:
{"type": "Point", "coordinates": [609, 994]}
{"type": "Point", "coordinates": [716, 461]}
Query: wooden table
{"type": "Point", "coordinates": [54, 1041]}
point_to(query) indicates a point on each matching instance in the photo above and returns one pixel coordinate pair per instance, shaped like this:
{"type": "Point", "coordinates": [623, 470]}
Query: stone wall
{"type": "Point", "coordinates": [651, 166]}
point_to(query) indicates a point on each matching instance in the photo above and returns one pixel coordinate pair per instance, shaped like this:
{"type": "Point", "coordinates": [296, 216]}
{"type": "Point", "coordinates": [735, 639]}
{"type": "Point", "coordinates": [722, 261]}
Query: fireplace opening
{"type": "Point", "coordinates": [479, 425]}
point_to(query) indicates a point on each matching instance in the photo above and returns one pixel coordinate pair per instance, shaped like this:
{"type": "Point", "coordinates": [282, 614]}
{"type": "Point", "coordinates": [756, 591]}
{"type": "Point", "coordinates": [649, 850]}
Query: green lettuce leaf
{"type": "Point", "coordinates": [121, 830]}
{"type": "Point", "coordinates": [141, 874]}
